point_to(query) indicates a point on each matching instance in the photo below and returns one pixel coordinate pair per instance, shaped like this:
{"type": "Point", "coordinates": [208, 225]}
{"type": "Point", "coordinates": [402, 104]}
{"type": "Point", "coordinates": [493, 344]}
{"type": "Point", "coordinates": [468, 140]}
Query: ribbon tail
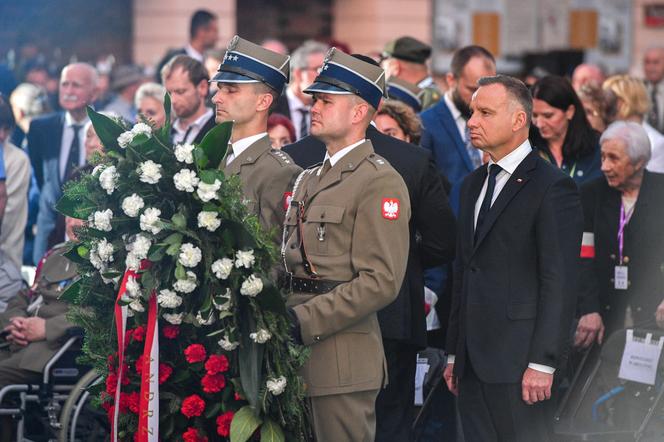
{"type": "Point", "coordinates": [148, 412]}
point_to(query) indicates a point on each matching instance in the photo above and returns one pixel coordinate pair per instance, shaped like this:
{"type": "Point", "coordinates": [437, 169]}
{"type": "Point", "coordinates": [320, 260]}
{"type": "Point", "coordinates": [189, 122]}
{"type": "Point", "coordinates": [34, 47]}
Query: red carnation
{"type": "Point", "coordinates": [216, 364]}
{"type": "Point", "coordinates": [111, 383]}
{"type": "Point", "coordinates": [224, 423]}
{"type": "Point", "coordinates": [110, 412]}
{"type": "Point", "coordinates": [195, 353]}
{"type": "Point", "coordinates": [191, 435]}
{"type": "Point", "coordinates": [125, 378]}
{"type": "Point", "coordinates": [139, 364]}
{"type": "Point", "coordinates": [110, 362]}
{"type": "Point", "coordinates": [213, 383]}
{"type": "Point", "coordinates": [193, 406]}
{"type": "Point", "coordinates": [129, 401]}
{"type": "Point", "coordinates": [138, 334]}
{"type": "Point", "coordinates": [238, 397]}
{"type": "Point", "coordinates": [171, 331]}
{"type": "Point", "coordinates": [165, 372]}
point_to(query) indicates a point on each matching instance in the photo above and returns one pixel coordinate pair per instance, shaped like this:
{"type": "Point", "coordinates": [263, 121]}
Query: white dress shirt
{"type": "Point", "coordinates": [241, 145]}
{"type": "Point", "coordinates": [508, 163]}
{"type": "Point", "coordinates": [189, 134]}
{"type": "Point", "coordinates": [656, 163]}
{"type": "Point", "coordinates": [334, 159]}
{"type": "Point", "coordinates": [67, 139]}
{"type": "Point", "coordinates": [295, 106]}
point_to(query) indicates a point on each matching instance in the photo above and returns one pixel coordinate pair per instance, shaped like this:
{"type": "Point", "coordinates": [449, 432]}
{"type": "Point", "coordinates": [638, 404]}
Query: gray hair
{"type": "Point", "coordinates": [93, 76]}
{"type": "Point", "coordinates": [299, 58]}
{"type": "Point", "coordinates": [150, 90]}
{"type": "Point", "coordinates": [516, 89]}
{"type": "Point", "coordinates": [30, 99]}
{"type": "Point", "coordinates": [635, 137]}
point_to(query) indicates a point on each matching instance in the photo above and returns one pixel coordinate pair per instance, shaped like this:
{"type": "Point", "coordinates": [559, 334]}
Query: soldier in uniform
{"type": "Point", "coordinates": [408, 93]}
{"type": "Point", "coordinates": [249, 81]}
{"type": "Point", "coordinates": [345, 249]}
{"type": "Point", "coordinates": [406, 58]}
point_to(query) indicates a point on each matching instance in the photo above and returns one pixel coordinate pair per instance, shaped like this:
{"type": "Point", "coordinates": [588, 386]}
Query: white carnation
{"type": "Point", "coordinates": [108, 179]}
{"type": "Point", "coordinates": [184, 153]}
{"type": "Point", "coordinates": [98, 168]}
{"type": "Point", "coordinates": [140, 246]}
{"type": "Point", "coordinates": [276, 386]}
{"type": "Point", "coordinates": [105, 250]}
{"type": "Point", "coordinates": [125, 139]}
{"type": "Point", "coordinates": [101, 220]}
{"type": "Point", "coordinates": [222, 268]}
{"type": "Point", "coordinates": [227, 344]}
{"type": "Point", "coordinates": [209, 221]}
{"type": "Point", "coordinates": [225, 306]}
{"type": "Point", "coordinates": [201, 321]}
{"type": "Point", "coordinates": [186, 180]}
{"type": "Point", "coordinates": [132, 262]}
{"type": "Point", "coordinates": [96, 261]}
{"type": "Point", "coordinates": [141, 129]}
{"type": "Point", "coordinates": [251, 286]}
{"type": "Point", "coordinates": [186, 285]}
{"type": "Point", "coordinates": [149, 219]}
{"type": "Point", "coordinates": [208, 192]}
{"type": "Point", "coordinates": [169, 299]}
{"type": "Point", "coordinates": [133, 287]}
{"type": "Point", "coordinates": [136, 305]}
{"type": "Point", "coordinates": [261, 336]}
{"type": "Point", "coordinates": [190, 255]}
{"type": "Point", "coordinates": [244, 258]}
{"type": "Point", "coordinates": [131, 205]}
{"type": "Point", "coordinates": [149, 171]}
{"type": "Point", "coordinates": [173, 318]}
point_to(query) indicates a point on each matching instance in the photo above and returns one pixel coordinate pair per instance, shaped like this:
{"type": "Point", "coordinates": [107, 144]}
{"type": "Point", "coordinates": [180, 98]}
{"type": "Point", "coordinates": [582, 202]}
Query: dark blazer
{"type": "Point", "coordinates": [44, 141]}
{"type": "Point", "coordinates": [643, 252]}
{"type": "Point", "coordinates": [209, 124]}
{"type": "Point", "coordinates": [514, 289]}
{"type": "Point", "coordinates": [282, 107]}
{"type": "Point", "coordinates": [432, 229]}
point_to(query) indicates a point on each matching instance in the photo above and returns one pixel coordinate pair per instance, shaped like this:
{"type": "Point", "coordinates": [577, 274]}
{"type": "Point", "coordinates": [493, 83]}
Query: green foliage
{"type": "Point", "coordinates": [244, 424]}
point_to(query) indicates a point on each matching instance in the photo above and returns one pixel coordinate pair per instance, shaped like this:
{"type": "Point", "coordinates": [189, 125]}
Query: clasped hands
{"type": "Point", "coordinates": [22, 331]}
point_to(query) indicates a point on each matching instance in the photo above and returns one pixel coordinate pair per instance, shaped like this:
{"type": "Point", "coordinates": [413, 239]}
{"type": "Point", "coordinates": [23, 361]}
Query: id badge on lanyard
{"type": "Point", "coordinates": [621, 272]}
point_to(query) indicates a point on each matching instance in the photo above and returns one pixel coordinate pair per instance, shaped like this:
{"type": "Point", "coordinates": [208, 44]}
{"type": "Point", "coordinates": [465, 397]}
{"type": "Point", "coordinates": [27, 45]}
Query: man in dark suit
{"type": "Point", "coordinates": [56, 146]}
{"type": "Point", "coordinates": [186, 80]}
{"type": "Point", "coordinates": [445, 132]}
{"type": "Point", "coordinates": [515, 275]}
{"type": "Point", "coordinates": [203, 35]}
{"type": "Point", "coordinates": [402, 323]}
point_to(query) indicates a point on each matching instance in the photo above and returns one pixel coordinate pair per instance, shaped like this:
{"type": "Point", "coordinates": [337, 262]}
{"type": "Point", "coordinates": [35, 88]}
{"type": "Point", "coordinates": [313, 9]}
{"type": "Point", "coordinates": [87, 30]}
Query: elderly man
{"type": "Point", "coordinates": [56, 146]}
{"type": "Point", "coordinates": [623, 245]}
{"type": "Point", "coordinates": [653, 68]}
{"type": "Point", "coordinates": [587, 73]}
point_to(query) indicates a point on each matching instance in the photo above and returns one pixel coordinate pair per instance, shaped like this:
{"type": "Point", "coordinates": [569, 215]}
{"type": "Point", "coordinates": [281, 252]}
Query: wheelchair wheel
{"type": "Point", "coordinates": [80, 421]}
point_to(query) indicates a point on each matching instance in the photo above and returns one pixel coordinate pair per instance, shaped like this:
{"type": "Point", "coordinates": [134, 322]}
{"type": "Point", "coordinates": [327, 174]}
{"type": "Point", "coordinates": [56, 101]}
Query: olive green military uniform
{"type": "Point", "coordinates": [353, 220]}
{"type": "Point", "coordinates": [267, 177]}
{"type": "Point", "coordinates": [430, 96]}
{"type": "Point", "coordinates": [20, 364]}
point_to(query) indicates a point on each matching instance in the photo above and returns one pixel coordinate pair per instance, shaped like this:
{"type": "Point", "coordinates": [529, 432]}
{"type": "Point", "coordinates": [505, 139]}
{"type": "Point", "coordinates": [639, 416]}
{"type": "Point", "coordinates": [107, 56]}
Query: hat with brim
{"type": "Point", "coordinates": [343, 74]}
{"type": "Point", "coordinates": [246, 62]}
{"type": "Point", "coordinates": [126, 76]}
{"type": "Point", "coordinates": [408, 93]}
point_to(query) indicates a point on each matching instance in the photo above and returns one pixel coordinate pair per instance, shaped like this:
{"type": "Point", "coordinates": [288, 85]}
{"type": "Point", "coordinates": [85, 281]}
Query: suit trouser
{"type": "Point", "coordinates": [348, 417]}
{"type": "Point", "coordinates": [394, 405]}
{"type": "Point", "coordinates": [497, 412]}
{"type": "Point", "coordinates": [11, 373]}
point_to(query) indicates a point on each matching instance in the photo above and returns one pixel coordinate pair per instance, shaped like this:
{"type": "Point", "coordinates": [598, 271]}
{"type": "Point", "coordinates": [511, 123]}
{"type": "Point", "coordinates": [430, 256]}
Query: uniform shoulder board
{"type": "Point", "coordinates": [281, 157]}
{"type": "Point", "coordinates": [378, 161]}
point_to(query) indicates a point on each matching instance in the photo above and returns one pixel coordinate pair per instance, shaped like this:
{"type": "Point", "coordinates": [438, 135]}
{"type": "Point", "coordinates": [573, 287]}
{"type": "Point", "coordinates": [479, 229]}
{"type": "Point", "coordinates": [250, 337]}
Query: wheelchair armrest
{"type": "Point", "coordinates": [69, 343]}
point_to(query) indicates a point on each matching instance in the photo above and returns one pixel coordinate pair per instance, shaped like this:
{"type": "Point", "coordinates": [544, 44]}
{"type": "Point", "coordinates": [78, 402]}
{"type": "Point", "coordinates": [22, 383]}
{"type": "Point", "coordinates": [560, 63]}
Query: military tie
{"type": "Point", "coordinates": [494, 170]}
{"type": "Point", "coordinates": [473, 152]}
{"type": "Point", "coordinates": [327, 165]}
{"type": "Point", "coordinates": [653, 116]}
{"type": "Point", "coordinates": [74, 153]}
{"type": "Point", "coordinates": [304, 126]}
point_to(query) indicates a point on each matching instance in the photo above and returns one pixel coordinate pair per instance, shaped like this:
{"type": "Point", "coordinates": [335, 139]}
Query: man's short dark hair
{"type": "Point", "coordinates": [191, 66]}
{"type": "Point", "coordinates": [515, 88]}
{"type": "Point", "coordinates": [200, 20]}
{"type": "Point", "coordinates": [461, 58]}
{"type": "Point", "coordinates": [6, 115]}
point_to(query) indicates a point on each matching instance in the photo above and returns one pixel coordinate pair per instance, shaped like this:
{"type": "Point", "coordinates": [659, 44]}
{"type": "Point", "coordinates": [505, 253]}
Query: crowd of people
{"type": "Point", "coordinates": [532, 213]}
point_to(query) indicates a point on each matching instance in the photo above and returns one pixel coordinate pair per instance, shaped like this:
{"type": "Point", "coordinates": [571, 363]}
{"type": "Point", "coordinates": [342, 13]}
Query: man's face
{"type": "Point", "coordinates": [616, 164]}
{"type": "Point", "coordinates": [491, 122]}
{"type": "Point", "coordinates": [331, 115]}
{"type": "Point", "coordinates": [653, 65]}
{"type": "Point", "coordinates": [210, 34]}
{"type": "Point", "coordinates": [186, 97]}
{"type": "Point", "coordinates": [76, 88]}
{"type": "Point", "coordinates": [587, 74]}
{"type": "Point", "coordinates": [235, 102]}
{"type": "Point", "coordinates": [465, 86]}
{"type": "Point", "coordinates": [305, 77]}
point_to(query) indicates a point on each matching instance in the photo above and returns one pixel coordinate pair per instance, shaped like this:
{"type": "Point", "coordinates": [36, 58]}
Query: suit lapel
{"type": "Point", "coordinates": [249, 156]}
{"type": "Point", "coordinates": [450, 126]}
{"type": "Point", "coordinates": [516, 182]}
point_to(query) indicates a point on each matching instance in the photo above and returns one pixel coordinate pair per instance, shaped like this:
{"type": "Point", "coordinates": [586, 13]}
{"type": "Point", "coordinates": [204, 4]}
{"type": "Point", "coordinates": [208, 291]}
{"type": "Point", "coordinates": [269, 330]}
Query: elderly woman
{"type": "Point", "coordinates": [561, 132]}
{"type": "Point", "coordinates": [399, 120]}
{"type": "Point", "coordinates": [623, 246]}
{"type": "Point", "coordinates": [633, 104]}
{"type": "Point", "coordinates": [150, 103]}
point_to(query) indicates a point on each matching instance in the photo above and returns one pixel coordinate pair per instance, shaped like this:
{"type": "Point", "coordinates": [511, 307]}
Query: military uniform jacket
{"type": "Point", "coordinates": [354, 225]}
{"type": "Point", "coordinates": [267, 177]}
{"type": "Point", "coordinates": [56, 274]}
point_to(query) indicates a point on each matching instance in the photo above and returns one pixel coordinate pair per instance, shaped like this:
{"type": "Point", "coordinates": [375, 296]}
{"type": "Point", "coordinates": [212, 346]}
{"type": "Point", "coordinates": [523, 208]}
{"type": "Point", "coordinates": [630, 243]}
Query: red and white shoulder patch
{"type": "Point", "coordinates": [391, 208]}
{"type": "Point", "coordinates": [288, 197]}
{"type": "Point", "coordinates": [588, 245]}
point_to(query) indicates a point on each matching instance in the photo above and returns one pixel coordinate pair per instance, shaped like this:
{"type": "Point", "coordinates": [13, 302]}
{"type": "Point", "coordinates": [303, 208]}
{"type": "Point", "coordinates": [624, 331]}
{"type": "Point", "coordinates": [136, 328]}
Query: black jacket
{"type": "Point", "coordinates": [282, 107]}
{"type": "Point", "coordinates": [432, 227]}
{"type": "Point", "coordinates": [515, 287]}
{"type": "Point", "coordinates": [643, 252]}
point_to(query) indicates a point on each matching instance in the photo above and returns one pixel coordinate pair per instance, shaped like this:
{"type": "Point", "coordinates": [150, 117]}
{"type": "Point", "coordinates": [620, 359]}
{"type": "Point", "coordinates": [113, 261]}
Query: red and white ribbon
{"type": "Point", "coordinates": [148, 408]}
{"type": "Point", "coordinates": [588, 245]}
{"type": "Point", "coordinates": [120, 327]}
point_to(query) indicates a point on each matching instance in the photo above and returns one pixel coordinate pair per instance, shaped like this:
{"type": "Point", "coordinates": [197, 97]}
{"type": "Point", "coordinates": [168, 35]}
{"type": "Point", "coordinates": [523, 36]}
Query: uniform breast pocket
{"type": "Point", "coordinates": [324, 231]}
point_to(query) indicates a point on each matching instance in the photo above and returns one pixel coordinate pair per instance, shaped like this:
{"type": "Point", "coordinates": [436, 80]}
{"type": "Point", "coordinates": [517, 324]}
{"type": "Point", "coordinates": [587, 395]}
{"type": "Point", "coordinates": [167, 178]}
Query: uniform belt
{"type": "Point", "coordinates": [307, 285]}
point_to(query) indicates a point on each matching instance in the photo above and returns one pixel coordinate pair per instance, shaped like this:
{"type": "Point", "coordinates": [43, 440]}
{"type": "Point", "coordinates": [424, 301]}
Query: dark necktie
{"type": "Point", "coordinates": [74, 153]}
{"type": "Point", "coordinates": [327, 165]}
{"type": "Point", "coordinates": [653, 116]}
{"type": "Point", "coordinates": [304, 127]}
{"type": "Point", "coordinates": [494, 170]}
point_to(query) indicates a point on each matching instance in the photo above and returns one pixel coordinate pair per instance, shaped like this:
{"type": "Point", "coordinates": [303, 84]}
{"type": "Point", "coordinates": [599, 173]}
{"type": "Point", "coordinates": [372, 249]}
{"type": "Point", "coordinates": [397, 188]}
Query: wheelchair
{"type": "Point", "coordinates": [600, 406]}
{"type": "Point", "coordinates": [59, 408]}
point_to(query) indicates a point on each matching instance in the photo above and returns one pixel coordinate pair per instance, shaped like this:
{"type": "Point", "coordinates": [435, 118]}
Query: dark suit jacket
{"type": "Point", "coordinates": [281, 106]}
{"type": "Point", "coordinates": [515, 288]}
{"type": "Point", "coordinates": [44, 141]}
{"type": "Point", "coordinates": [643, 251]}
{"type": "Point", "coordinates": [432, 229]}
{"type": "Point", "coordinates": [209, 124]}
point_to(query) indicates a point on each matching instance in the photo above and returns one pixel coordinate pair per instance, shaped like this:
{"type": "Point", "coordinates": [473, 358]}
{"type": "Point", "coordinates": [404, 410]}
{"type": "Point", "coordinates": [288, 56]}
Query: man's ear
{"type": "Point", "coordinates": [519, 120]}
{"type": "Point", "coordinates": [264, 102]}
{"type": "Point", "coordinates": [450, 80]}
{"type": "Point", "coordinates": [360, 111]}
{"type": "Point", "coordinates": [203, 88]}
